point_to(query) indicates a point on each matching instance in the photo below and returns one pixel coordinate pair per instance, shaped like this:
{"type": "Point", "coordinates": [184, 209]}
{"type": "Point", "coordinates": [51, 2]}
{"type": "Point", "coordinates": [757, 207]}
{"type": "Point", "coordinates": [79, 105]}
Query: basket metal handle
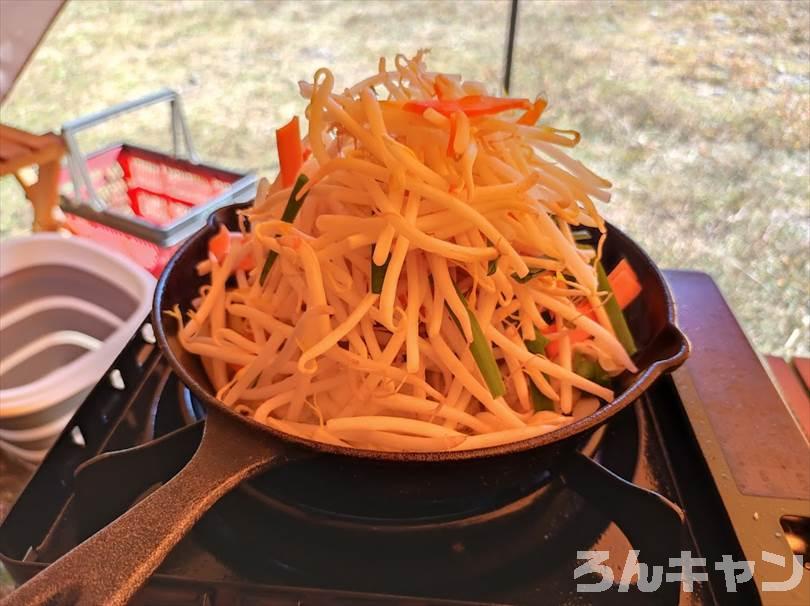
{"type": "Point", "coordinates": [77, 162]}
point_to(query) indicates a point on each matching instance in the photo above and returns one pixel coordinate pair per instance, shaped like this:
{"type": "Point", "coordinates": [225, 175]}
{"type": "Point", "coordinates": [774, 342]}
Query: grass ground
{"type": "Point", "coordinates": [699, 112]}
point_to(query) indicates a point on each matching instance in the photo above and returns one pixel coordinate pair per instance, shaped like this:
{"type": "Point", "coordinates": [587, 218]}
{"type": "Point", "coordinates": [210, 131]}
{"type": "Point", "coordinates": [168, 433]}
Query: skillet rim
{"type": "Point", "coordinates": [639, 385]}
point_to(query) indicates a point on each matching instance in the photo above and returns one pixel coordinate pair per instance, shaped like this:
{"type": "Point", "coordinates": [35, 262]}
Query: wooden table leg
{"type": "Point", "coordinates": [43, 193]}
{"type": "Point", "coordinates": [47, 214]}
{"type": "Point", "coordinates": [19, 151]}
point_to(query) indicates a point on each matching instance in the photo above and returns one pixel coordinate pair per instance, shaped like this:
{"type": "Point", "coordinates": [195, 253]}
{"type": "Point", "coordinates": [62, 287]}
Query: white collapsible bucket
{"type": "Point", "coordinates": [67, 308]}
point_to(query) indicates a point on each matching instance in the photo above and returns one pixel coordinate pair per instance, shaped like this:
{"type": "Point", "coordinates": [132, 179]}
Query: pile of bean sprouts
{"type": "Point", "coordinates": [471, 219]}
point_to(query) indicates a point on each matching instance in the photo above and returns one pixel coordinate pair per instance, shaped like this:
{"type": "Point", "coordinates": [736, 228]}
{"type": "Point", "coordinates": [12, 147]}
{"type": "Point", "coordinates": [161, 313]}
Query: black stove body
{"type": "Point", "coordinates": [676, 487]}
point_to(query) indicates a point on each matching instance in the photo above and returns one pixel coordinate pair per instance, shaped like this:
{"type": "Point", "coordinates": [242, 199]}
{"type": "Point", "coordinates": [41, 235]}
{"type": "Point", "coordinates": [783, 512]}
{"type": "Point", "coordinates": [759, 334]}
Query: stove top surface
{"type": "Point", "coordinates": [669, 475]}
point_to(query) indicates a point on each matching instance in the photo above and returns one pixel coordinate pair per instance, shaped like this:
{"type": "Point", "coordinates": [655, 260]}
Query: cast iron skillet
{"type": "Point", "coordinates": [110, 566]}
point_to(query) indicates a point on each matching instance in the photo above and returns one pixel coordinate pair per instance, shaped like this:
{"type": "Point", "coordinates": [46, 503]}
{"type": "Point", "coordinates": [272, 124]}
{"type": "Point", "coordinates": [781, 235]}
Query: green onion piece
{"type": "Point", "coordinates": [378, 272]}
{"type": "Point", "coordinates": [290, 212]}
{"type": "Point", "coordinates": [590, 369]}
{"type": "Point", "coordinates": [539, 400]}
{"type": "Point", "coordinates": [482, 352]}
{"type": "Point", "coordinates": [533, 272]}
{"type": "Point", "coordinates": [581, 235]}
{"type": "Point", "coordinates": [293, 205]}
{"type": "Point", "coordinates": [538, 346]}
{"type": "Point", "coordinates": [614, 312]}
{"type": "Point", "coordinates": [268, 265]}
{"type": "Point", "coordinates": [492, 266]}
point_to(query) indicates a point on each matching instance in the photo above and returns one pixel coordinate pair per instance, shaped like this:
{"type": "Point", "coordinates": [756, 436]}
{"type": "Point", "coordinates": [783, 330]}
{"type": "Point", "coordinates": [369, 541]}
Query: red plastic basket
{"type": "Point", "coordinates": [139, 201]}
{"type": "Point", "coordinates": [141, 184]}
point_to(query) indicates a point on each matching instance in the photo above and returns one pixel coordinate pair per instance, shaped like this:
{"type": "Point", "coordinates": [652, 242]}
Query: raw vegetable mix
{"type": "Point", "coordinates": [424, 274]}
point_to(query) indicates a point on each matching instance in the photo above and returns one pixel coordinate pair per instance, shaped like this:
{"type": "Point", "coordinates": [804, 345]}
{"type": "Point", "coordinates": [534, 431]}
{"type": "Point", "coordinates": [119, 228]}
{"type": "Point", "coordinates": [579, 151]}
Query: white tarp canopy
{"type": "Point", "coordinates": [23, 23]}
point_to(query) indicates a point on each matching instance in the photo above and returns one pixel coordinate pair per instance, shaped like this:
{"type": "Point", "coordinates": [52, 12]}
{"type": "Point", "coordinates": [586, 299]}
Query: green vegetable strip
{"type": "Point", "coordinates": [293, 205]}
{"type": "Point", "coordinates": [268, 265]}
{"type": "Point", "coordinates": [290, 212]}
{"type": "Point", "coordinates": [590, 369]}
{"type": "Point", "coordinates": [378, 272]}
{"type": "Point", "coordinates": [482, 352]}
{"type": "Point", "coordinates": [538, 346]}
{"type": "Point", "coordinates": [539, 400]}
{"type": "Point", "coordinates": [533, 271]}
{"type": "Point", "coordinates": [614, 312]}
{"type": "Point", "coordinates": [492, 266]}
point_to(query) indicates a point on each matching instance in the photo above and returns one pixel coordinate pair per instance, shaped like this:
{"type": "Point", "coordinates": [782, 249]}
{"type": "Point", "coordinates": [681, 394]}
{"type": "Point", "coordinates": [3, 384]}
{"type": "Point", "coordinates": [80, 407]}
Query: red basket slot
{"type": "Point", "coordinates": [151, 207]}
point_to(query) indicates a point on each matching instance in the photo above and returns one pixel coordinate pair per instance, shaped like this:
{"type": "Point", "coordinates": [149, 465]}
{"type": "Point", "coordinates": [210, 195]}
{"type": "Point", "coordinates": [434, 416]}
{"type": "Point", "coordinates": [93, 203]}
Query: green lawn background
{"type": "Point", "coordinates": [698, 112]}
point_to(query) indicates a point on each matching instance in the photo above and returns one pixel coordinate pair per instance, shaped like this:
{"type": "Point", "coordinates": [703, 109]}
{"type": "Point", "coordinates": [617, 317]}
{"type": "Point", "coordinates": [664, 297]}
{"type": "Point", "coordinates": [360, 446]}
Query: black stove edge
{"type": "Point", "coordinates": [188, 592]}
{"type": "Point", "coordinates": [706, 522]}
{"type": "Point", "coordinates": [756, 517]}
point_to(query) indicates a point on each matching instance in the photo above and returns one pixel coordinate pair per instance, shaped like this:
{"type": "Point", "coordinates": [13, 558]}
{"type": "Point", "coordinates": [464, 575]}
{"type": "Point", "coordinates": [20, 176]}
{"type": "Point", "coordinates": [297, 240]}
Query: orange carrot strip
{"type": "Point", "coordinates": [531, 117]}
{"type": "Point", "coordinates": [290, 153]}
{"type": "Point", "coordinates": [625, 286]}
{"type": "Point", "coordinates": [247, 262]}
{"type": "Point", "coordinates": [453, 125]}
{"type": "Point", "coordinates": [220, 244]}
{"type": "Point", "coordinates": [472, 105]}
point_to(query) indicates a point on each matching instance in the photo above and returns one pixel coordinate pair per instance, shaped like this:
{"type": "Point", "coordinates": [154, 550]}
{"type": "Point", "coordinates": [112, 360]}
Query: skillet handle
{"type": "Point", "coordinates": [652, 523]}
{"type": "Point", "coordinates": [110, 566]}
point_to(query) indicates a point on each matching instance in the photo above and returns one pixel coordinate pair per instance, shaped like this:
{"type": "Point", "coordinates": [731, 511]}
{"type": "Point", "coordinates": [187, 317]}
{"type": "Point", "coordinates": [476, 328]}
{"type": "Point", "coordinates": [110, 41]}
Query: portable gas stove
{"type": "Point", "coordinates": [709, 462]}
